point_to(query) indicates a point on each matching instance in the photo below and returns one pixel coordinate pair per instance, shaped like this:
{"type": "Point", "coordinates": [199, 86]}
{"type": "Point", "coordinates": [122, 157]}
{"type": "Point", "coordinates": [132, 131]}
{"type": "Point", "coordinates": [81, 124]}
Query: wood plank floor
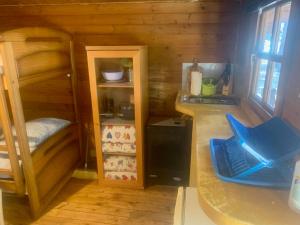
{"type": "Point", "coordinates": [84, 202]}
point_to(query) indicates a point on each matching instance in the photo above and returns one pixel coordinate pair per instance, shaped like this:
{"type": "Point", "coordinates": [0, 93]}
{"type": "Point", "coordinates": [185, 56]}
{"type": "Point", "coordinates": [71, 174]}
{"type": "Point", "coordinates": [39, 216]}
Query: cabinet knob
{"type": "Point", "coordinates": [68, 75]}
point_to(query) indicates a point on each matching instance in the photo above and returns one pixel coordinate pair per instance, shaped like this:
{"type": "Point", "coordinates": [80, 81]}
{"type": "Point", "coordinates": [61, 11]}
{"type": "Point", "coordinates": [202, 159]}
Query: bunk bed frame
{"type": "Point", "coordinates": [29, 56]}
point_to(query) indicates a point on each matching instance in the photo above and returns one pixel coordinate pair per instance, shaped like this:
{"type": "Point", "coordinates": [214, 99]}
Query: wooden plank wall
{"type": "Point", "coordinates": [291, 108]}
{"type": "Point", "coordinates": [174, 31]}
{"type": "Point", "coordinates": [245, 48]}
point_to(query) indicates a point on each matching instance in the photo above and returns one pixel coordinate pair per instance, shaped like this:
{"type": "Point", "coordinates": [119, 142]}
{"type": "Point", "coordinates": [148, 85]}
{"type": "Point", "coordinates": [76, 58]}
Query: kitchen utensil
{"type": "Point", "coordinates": [110, 105]}
{"type": "Point", "coordinates": [208, 87]}
{"type": "Point", "coordinates": [195, 78]}
{"type": "Point", "coordinates": [226, 89]}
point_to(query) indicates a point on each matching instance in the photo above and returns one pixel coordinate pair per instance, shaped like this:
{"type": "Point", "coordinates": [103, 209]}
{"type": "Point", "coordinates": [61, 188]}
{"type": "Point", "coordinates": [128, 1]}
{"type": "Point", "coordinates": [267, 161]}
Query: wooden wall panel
{"type": "Point", "coordinates": [245, 49]}
{"type": "Point", "coordinates": [113, 8]}
{"type": "Point", "coordinates": [175, 32]}
{"type": "Point", "coordinates": [291, 107]}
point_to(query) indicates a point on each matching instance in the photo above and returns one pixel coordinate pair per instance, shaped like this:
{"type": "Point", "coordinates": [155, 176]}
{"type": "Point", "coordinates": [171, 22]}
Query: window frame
{"type": "Point", "coordinates": [261, 104]}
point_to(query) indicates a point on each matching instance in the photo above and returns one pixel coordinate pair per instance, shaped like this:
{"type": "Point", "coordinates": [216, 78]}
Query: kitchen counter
{"type": "Point", "coordinates": [229, 203]}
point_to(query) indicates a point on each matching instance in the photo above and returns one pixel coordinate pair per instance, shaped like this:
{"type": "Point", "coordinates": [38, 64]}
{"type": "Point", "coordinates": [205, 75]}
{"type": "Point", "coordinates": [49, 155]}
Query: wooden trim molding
{"type": "Point", "coordinates": [249, 109]}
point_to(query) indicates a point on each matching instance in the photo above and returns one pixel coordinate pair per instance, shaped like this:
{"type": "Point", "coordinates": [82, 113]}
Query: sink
{"type": "Point", "coordinates": [218, 99]}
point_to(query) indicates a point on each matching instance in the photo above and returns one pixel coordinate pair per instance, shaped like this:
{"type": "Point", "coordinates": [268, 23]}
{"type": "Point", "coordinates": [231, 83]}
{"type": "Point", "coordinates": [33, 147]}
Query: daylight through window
{"type": "Point", "coordinates": [268, 55]}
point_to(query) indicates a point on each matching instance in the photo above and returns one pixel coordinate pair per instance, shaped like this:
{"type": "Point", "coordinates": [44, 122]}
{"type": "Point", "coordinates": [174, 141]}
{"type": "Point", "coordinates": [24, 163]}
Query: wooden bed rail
{"type": "Point", "coordinates": [49, 65]}
{"type": "Point", "coordinates": [49, 49]}
{"type": "Point", "coordinates": [51, 146]}
{"type": "Point", "coordinates": [3, 148]}
{"type": "Point", "coordinates": [35, 34]}
{"type": "Point", "coordinates": [39, 77]}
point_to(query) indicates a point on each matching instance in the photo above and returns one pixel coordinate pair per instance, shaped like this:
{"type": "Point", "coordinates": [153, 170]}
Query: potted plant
{"type": "Point", "coordinates": [127, 66]}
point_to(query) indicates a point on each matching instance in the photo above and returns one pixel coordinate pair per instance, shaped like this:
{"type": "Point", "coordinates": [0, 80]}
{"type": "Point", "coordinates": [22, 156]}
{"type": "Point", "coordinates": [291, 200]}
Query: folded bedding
{"type": "Point", "coordinates": [120, 163]}
{"type": "Point", "coordinates": [38, 131]}
{"type": "Point", "coordinates": [118, 134]}
{"type": "Point", "coordinates": [118, 148]}
{"type": "Point", "coordinates": [114, 175]}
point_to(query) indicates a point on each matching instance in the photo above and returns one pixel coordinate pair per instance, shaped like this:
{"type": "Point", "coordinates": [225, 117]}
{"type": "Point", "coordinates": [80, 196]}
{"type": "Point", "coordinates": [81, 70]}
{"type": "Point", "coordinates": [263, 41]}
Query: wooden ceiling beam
{"type": "Point", "coordinates": [85, 2]}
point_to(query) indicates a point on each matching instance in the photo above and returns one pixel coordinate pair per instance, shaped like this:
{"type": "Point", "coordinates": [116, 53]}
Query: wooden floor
{"type": "Point", "coordinates": [84, 202]}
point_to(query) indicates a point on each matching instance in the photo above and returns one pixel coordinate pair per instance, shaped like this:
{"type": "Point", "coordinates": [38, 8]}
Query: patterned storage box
{"type": "Point", "coordinates": [120, 163]}
{"type": "Point", "coordinates": [110, 147]}
{"type": "Point", "coordinates": [118, 134]}
{"type": "Point", "coordinates": [113, 175]}
{"type": "Point", "coordinates": [119, 139]}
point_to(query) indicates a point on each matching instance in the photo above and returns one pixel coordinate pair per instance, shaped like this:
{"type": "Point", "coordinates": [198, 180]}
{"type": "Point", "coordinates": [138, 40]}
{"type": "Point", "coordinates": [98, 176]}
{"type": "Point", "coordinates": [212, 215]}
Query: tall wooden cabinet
{"type": "Point", "coordinates": [119, 141]}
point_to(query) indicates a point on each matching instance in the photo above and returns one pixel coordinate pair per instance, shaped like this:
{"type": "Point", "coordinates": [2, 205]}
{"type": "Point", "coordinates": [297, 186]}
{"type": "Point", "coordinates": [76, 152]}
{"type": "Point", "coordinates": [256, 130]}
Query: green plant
{"type": "Point", "coordinates": [126, 62]}
{"type": "Point", "coordinates": [207, 80]}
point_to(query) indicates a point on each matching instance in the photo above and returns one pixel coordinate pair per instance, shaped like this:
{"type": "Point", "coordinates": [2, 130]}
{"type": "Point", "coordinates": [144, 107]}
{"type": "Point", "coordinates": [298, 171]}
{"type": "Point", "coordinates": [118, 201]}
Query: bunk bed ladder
{"type": "Point", "coordinates": [15, 173]}
{"type": "Point", "coordinates": [12, 83]}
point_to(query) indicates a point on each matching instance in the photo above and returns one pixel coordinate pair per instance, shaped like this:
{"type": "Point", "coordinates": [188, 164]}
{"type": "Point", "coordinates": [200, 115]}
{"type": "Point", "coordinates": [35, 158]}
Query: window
{"type": "Point", "coordinates": [268, 54]}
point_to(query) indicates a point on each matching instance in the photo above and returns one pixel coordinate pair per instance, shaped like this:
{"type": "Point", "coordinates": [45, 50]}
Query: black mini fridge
{"type": "Point", "coordinates": [168, 149]}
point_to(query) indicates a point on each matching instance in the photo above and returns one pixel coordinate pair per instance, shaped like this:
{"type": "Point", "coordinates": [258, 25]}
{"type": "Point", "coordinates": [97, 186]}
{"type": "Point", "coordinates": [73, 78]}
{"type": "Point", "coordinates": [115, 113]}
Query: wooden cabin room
{"type": "Point", "coordinates": [149, 112]}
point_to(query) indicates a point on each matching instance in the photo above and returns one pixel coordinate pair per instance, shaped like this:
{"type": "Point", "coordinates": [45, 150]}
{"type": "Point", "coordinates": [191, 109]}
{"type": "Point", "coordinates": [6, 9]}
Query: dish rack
{"type": "Point", "coordinates": [262, 156]}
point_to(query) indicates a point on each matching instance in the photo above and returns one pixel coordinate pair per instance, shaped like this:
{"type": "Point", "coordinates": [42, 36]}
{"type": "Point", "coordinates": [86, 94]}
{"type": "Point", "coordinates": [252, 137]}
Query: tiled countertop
{"type": "Point", "coordinates": [228, 203]}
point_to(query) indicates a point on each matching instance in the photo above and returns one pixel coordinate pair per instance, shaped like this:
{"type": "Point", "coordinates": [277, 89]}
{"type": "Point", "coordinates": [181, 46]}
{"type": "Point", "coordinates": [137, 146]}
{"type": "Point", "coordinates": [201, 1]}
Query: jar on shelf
{"type": "Point", "coordinates": [127, 68]}
{"type": "Point", "coordinates": [195, 78]}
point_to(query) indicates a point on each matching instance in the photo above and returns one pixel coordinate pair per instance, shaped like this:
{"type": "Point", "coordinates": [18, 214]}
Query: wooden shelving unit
{"type": "Point", "coordinates": [116, 85]}
{"type": "Point", "coordinates": [120, 154]}
{"type": "Point", "coordinates": [99, 58]}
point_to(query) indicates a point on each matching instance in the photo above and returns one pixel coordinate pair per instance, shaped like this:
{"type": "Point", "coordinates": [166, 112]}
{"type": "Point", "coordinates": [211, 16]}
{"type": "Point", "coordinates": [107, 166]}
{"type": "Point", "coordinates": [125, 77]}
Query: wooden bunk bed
{"type": "Point", "coordinates": [38, 79]}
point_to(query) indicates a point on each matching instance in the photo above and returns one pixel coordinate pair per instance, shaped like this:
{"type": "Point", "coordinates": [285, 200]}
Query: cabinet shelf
{"type": "Point", "coordinates": [119, 154]}
{"type": "Point", "coordinates": [115, 85]}
{"type": "Point", "coordinates": [116, 121]}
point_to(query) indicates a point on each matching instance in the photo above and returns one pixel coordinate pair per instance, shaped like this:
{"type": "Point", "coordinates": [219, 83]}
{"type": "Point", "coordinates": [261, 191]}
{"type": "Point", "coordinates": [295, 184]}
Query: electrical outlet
{"type": "Point", "coordinates": [299, 95]}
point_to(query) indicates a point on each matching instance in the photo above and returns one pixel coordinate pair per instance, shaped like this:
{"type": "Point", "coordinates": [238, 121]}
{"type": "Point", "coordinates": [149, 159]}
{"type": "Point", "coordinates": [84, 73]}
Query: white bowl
{"type": "Point", "coordinates": [112, 76]}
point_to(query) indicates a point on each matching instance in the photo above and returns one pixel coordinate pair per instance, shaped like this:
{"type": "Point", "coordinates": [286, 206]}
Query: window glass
{"type": "Point", "coordinates": [261, 77]}
{"type": "Point", "coordinates": [283, 14]}
{"type": "Point", "coordinates": [269, 54]}
{"type": "Point", "coordinates": [267, 22]}
{"type": "Point", "coordinates": [272, 92]}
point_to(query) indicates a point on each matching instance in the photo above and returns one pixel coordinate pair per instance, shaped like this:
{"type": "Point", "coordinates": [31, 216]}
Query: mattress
{"type": "Point", "coordinates": [38, 131]}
